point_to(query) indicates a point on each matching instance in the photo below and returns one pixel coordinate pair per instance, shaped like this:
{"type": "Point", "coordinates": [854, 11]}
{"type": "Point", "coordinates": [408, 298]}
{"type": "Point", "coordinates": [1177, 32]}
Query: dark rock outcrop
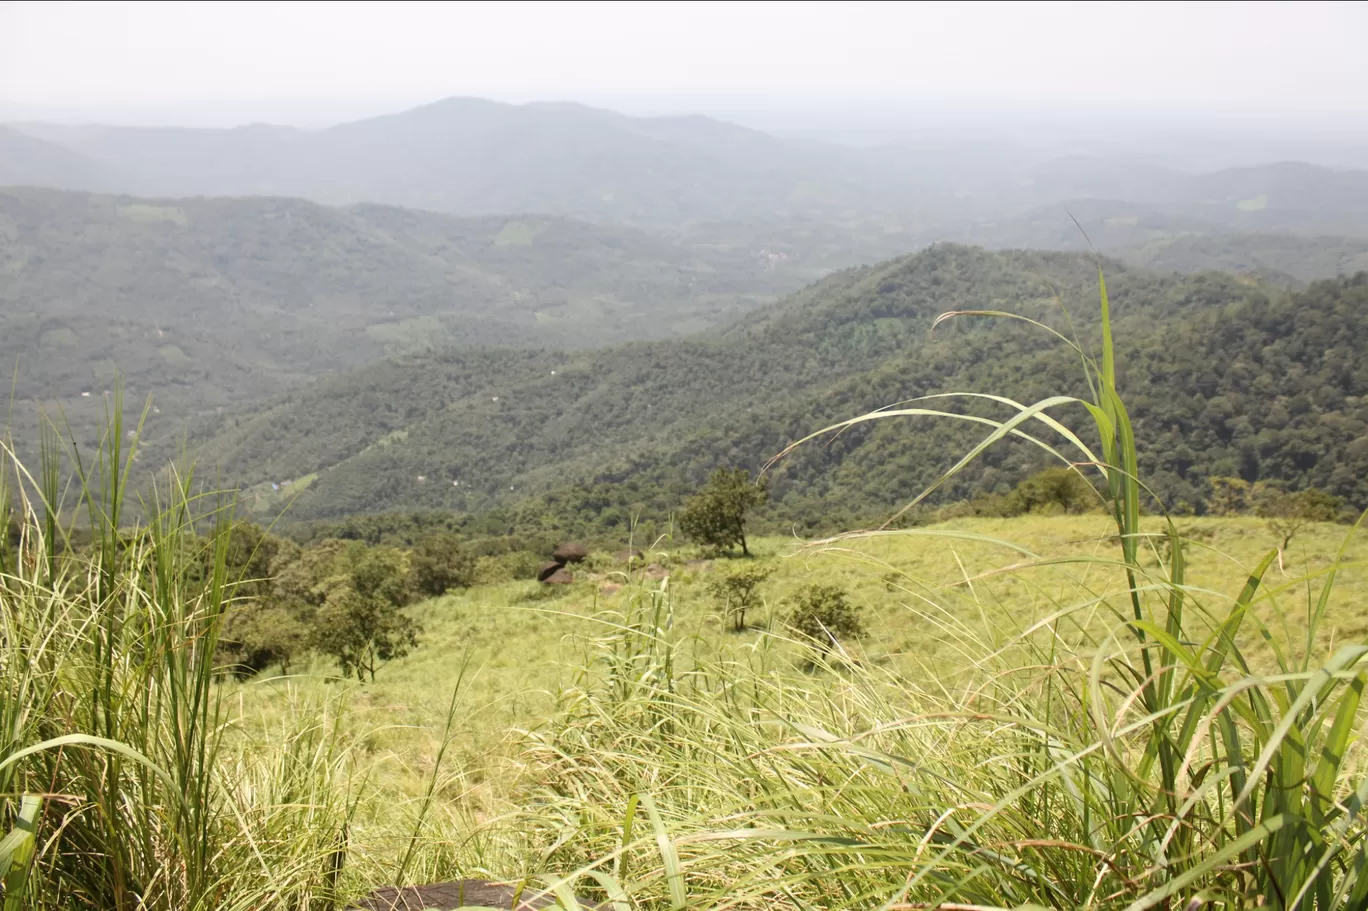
{"type": "Point", "coordinates": [561, 576]}
{"type": "Point", "coordinates": [464, 893]}
{"type": "Point", "coordinates": [570, 553]}
{"type": "Point", "coordinates": [549, 569]}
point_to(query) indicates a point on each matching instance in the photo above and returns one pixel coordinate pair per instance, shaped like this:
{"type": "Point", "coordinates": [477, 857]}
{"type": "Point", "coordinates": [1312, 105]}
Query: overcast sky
{"type": "Point", "coordinates": [233, 62]}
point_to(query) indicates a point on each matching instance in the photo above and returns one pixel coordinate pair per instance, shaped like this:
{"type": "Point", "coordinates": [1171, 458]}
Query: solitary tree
{"type": "Point", "coordinates": [1056, 489]}
{"type": "Point", "coordinates": [716, 515]}
{"type": "Point", "coordinates": [738, 592]}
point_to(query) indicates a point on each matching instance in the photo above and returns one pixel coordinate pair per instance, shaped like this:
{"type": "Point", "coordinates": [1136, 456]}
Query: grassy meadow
{"type": "Point", "coordinates": [1115, 710]}
{"type": "Point", "coordinates": [942, 604]}
{"type": "Point", "coordinates": [935, 600]}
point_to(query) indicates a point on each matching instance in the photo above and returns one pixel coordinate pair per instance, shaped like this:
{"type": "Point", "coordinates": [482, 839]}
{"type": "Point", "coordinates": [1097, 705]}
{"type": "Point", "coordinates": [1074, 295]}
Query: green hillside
{"type": "Point", "coordinates": [209, 303]}
{"type": "Point", "coordinates": [604, 433]}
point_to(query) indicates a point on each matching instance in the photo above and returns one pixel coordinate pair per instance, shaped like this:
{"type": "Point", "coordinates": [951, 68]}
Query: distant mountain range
{"type": "Point", "coordinates": [469, 156]}
{"type": "Point", "coordinates": [216, 304]}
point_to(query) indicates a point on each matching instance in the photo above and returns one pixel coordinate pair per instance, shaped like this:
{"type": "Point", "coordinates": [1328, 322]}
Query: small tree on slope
{"type": "Point", "coordinates": [716, 516]}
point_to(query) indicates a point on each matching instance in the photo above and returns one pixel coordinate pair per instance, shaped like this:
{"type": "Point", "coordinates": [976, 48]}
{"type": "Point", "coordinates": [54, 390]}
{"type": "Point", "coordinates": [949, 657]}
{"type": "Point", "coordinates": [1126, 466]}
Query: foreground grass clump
{"type": "Point", "coordinates": [118, 786]}
{"type": "Point", "coordinates": [1100, 710]}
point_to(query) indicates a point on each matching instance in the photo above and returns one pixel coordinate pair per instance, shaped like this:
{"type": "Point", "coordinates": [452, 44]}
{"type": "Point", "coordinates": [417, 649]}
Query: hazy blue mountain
{"type": "Point", "coordinates": [672, 175]}
{"type": "Point", "coordinates": [30, 161]}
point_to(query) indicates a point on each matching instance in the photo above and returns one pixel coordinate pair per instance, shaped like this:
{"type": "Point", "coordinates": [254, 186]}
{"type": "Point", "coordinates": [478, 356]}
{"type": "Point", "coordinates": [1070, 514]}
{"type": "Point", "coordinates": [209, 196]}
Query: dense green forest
{"type": "Point", "coordinates": [206, 303]}
{"type": "Point", "coordinates": [629, 430]}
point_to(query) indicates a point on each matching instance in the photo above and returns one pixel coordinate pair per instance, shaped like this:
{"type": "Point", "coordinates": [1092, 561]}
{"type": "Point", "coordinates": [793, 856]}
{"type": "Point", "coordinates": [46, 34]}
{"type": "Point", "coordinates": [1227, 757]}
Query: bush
{"type": "Point", "coordinates": [1055, 490]}
{"type": "Point", "coordinates": [352, 595]}
{"type": "Point", "coordinates": [260, 634]}
{"type": "Point", "coordinates": [510, 567]}
{"type": "Point", "coordinates": [824, 617]}
{"type": "Point", "coordinates": [1289, 513]}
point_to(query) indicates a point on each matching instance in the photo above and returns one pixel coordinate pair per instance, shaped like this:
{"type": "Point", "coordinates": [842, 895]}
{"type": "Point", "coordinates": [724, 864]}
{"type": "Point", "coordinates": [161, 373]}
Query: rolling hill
{"type": "Point", "coordinates": [213, 302]}
{"type": "Point", "coordinates": [470, 156]}
{"type": "Point", "coordinates": [1222, 380]}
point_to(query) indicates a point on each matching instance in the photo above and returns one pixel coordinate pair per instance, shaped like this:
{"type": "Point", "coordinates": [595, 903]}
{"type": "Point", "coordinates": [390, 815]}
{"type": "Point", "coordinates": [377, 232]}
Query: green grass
{"type": "Point", "coordinates": [522, 651]}
{"type": "Point", "coordinates": [1106, 711]}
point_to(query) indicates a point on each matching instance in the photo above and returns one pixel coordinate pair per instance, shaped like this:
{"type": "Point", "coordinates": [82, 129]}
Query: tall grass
{"type": "Point", "coordinates": [115, 788]}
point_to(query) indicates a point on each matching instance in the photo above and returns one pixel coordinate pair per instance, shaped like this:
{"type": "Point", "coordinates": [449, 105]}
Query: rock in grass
{"type": "Point", "coordinates": [549, 569]}
{"type": "Point", "coordinates": [463, 893]}
{"type": "Point", "coordinates": [561, 576]}
{"type": "Point", "coordinates": [570, 553]}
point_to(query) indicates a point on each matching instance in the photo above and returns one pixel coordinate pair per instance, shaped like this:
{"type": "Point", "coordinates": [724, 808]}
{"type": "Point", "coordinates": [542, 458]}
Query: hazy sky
{"type": "Point", "coordinates": [234, 62]}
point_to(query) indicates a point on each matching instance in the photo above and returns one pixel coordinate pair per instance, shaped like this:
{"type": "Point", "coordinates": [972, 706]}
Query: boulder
{"type": "Point", "coordinates": [561, 576]}
{"type": "Point", "coordinates": [548, 570]}
{"type": "Point", "coordinates": [570, 553]}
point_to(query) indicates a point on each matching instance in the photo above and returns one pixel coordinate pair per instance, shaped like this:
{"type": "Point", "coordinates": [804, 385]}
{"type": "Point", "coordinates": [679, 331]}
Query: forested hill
{"type": "Point", "coordinates": [1224, 376]}
{"type": "Point", "coordinates": [206, 303]}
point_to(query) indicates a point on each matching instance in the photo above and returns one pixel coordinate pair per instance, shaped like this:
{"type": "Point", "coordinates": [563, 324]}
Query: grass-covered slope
{"type": "Point", "coordinates": [1229, 378]}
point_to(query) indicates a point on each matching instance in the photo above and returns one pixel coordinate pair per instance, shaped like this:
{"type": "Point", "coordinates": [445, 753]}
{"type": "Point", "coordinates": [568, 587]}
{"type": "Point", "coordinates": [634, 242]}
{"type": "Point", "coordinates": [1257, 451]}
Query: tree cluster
{"type": "Point", "coordinates": [342, 599]}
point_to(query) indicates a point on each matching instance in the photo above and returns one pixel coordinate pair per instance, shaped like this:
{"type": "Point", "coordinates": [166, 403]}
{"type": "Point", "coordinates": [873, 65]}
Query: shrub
{"type": "Point", "coordinates": [824, 616]}
{"type": "Point", "coordinates": [1055, 490]}
{"type": "Point", "coordinates": [516, 566]}
{"type": "Point", "coordinates": [1289, 513]}
{"type": "Point", "coordinates": [259, 634]}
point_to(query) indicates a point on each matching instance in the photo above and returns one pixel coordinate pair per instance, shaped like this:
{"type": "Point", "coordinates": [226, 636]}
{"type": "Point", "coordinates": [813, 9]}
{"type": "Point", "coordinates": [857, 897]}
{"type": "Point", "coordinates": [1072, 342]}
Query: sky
{"type": "Point", "coordinates": [210, 63]}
